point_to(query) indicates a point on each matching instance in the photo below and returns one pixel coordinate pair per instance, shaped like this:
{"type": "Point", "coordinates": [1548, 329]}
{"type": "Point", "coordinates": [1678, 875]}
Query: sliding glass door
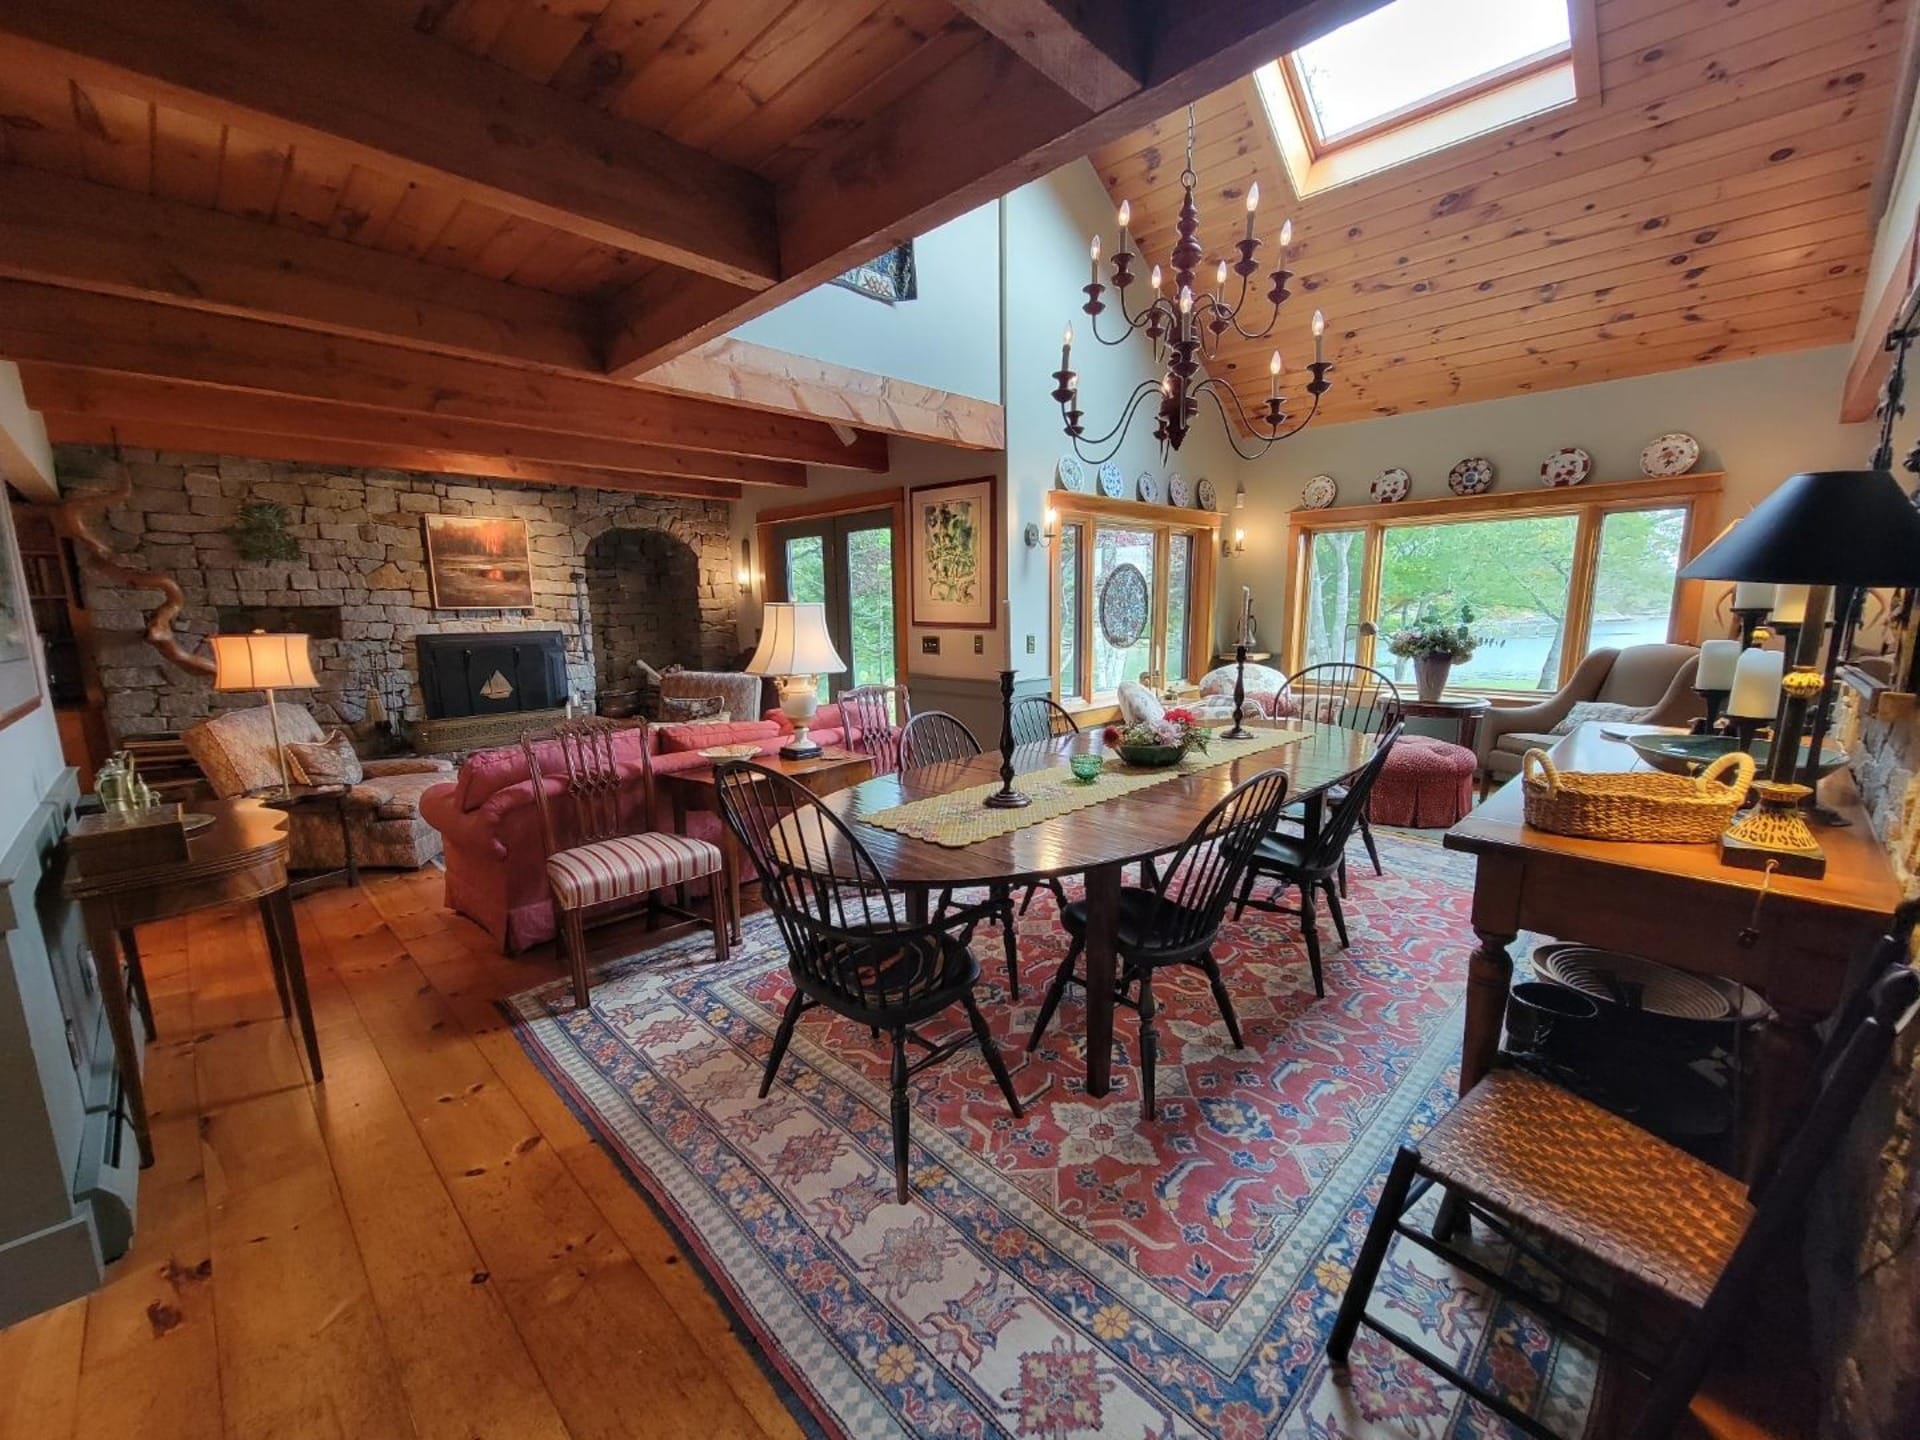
{"type": "Point", "coordinates": [845, 562]}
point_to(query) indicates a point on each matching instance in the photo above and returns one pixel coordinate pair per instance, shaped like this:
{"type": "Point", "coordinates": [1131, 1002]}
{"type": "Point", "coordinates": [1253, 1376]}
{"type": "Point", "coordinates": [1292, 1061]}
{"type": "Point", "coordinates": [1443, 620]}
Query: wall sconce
{"type": "Point", "coordinates": [1038, 535]}
{"type": "Point", "coordinates": [743, 575]}
{"type": "Point", "coordinates": [1240, 497]}
{"type": "Point", "coordinates": [1234, 544]}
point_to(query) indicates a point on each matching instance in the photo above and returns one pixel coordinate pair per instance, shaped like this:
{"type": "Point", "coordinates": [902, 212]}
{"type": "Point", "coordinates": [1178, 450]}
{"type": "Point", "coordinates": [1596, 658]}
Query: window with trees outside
{"type": "Point", "coordinates": [1545, 581]}
{"type": "Point", "coordinates": [1094, 537]}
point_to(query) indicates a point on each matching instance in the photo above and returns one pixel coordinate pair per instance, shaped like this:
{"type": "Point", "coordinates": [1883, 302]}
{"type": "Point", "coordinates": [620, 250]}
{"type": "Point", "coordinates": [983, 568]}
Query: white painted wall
{"type": "Point", "coordinates": [948, 338]}
{"type": "Point", "coordinates": [1758, 420]}
{"type": "Point", "coordinates": [26, 459]}
{"type": "Point", "coordinates": [30, 747]}
{"type": "Point", "coordinates": [1895, 225]}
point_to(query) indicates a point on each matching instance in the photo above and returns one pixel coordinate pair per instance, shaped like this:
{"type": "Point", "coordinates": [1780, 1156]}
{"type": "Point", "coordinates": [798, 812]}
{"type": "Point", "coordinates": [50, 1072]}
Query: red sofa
{"type": "Point", "coordinates": [489, 822]}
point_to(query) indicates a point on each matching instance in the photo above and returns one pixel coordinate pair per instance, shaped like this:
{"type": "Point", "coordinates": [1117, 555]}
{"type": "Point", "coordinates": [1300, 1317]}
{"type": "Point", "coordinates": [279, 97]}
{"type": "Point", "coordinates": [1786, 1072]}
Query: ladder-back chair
{"type": "Point", "coordinates": [871, 719]}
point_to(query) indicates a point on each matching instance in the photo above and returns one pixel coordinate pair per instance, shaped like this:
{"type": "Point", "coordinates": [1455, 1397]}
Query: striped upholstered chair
{"type": "Point", "coordinates": [603, 853]}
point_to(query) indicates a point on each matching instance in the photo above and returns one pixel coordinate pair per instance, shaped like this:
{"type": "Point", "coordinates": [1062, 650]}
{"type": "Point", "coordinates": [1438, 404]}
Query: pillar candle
{"type": "Point", "coordinates": [1790, 603]}
{"type": "Point", "coordinates": [1756, 684]}
{"type": "Point", "coordinates": [1752, 595]}
{"type": "Point", "coordinates": [1718, 660]}
{"type": "Point", "coordinates": [1006, 630]}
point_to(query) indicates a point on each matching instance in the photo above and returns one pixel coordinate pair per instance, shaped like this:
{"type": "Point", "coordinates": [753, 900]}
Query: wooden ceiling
{"type": "Point", "coordinates": [1713, 205]}
{"type": "Point", "coordinates": [455, 229]}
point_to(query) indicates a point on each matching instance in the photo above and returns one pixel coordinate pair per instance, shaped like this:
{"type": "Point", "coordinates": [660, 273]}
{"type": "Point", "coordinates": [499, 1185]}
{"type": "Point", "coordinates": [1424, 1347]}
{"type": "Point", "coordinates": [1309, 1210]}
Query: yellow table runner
{"type": "Point", "coordinates": [958, 818]}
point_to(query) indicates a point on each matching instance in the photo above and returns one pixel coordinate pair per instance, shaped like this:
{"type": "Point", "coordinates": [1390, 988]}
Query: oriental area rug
{"type": "Point", "coordinates": [1078, 1272]}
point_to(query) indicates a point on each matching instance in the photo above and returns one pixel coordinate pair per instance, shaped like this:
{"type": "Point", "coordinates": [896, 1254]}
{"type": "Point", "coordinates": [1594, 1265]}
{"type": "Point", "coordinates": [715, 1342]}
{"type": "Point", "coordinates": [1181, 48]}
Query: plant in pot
{"type": "Point", "coordinates": [1155, 743]}
{"type": "Point", "coordinates": [1435, 645]}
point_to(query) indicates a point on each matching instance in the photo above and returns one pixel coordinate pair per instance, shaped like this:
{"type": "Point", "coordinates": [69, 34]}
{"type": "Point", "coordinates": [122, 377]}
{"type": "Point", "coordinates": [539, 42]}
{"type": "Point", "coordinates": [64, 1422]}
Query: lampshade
{"type": "Point", "coordinates": [1826, 527]}
{"type": "Point", "coordinates": [262, 662]}
{"type": "Point", "coordinates": [794, 641]}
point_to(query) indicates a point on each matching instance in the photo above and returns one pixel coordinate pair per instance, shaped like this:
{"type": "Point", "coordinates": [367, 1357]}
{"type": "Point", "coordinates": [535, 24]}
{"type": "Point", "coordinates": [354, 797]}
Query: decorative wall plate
{"type": "Point", "coordinates": [1568, 465]}
{"type": "Point", "coordinates": [1204, 496]}
{"type": "Point", "coordinates": [1179, 490]}
{"type": "Point", "coordinates": [1671, 454]}
{"type": "Point", "coordinates": [1319, 492]}
{"type": "Point", "coordinates": [1073, 475]}
{"type": "Point", "coordinates": [1472, 476]}
{"type": "Point", "coordinates": [1392, 485]}
{"type": "Point", "coordinates": [1113, 480]}
{"type": "Point", "coordinates": [1123, 606]}
{"type": "Point", "coordinates": [1147, 487]}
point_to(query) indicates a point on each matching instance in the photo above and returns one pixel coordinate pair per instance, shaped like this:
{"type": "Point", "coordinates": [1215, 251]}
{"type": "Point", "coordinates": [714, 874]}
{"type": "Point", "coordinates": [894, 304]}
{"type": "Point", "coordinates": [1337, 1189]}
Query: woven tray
{"type": "Point", "coordinates": [1638, 805]}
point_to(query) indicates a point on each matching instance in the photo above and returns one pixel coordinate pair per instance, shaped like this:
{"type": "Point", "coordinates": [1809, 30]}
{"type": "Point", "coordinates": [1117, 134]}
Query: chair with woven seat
{"type": "Point", "coordinates": [849, 947]}
{"type": "Point", "coordinates": [603, 852]}
{"type": "Point", "coordinates": [1518, 1151]}
{"type": "Point", "coordinates": [1173, 920]}
{"type": "Point", "coordinates": [1313, 861]}
{"type": "Point", "coordinates": [1357, 697]}
{"type": "Point", "coordinates": [871, 719]}
{"type": "Point", "coordinates": [1037, 719]}
{"type": "Point", "coordinates": [933, 737]}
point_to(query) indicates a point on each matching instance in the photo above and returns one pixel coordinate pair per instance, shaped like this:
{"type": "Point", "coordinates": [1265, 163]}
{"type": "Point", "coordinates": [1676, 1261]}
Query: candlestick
{"type": "Point", "coordinates": [1286, 238]}
{"type": "Point", "coordinates": [1006, 797]}
{"type": "Point", "coordinates": [1240, 730]}
{"type": "Point", "coordinates": [1713, 680]}
{"type": "Point", "coordinates": [1319, 338]}
{"type": "Point", "coordinates": [1273, 376]}
{"type": "Point", "coordinates": [1066, 349]}
{"type": "Point", "coordinates": [1756, 692]}
{"type": "Point", "coordinates": [1093, 252]}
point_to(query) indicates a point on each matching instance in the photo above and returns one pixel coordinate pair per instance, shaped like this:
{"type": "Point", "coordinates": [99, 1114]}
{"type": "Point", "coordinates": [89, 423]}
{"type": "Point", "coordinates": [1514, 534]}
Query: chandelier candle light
{"type": "Point", "coordinates": [1186, 329]}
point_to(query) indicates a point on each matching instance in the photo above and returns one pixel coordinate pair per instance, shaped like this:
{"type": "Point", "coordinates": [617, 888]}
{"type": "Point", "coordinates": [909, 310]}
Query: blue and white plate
{"type": "Point", "coordinates": [1113, 480]}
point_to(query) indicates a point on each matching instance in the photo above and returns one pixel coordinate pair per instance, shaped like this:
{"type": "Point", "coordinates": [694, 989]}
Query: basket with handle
{"type": "Point", "coordinates": [1642, 805]}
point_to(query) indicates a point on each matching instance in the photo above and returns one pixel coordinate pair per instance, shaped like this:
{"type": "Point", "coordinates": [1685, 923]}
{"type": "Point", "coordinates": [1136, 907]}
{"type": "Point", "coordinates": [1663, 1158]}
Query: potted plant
{"type": "Point", "coordinates": [1434, 645]}
{"type": "Point", "coordinates": [1156, 743]}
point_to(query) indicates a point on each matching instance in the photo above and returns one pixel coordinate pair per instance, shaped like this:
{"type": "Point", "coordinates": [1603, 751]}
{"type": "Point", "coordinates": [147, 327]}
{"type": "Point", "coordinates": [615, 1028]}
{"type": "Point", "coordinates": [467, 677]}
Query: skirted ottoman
{"type": "Point", "coordinates": [1427, 783]}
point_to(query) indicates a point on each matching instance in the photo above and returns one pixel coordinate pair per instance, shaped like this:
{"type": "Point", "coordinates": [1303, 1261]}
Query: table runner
{"type": "Point", "coordinates": [958, 818]}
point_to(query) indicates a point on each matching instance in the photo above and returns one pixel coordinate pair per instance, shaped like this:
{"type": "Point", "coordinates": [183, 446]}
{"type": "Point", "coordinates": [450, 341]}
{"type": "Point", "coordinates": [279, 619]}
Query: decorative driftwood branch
{"type": "Point", "coordinates": [75, 514]}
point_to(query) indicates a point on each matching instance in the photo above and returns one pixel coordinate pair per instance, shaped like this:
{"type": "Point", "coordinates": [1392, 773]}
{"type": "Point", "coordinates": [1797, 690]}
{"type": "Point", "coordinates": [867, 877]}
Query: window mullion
{"type": "Point", "coordinates": [1578, 626]}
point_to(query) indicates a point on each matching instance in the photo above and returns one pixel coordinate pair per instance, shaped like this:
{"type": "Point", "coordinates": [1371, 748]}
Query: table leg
{"type": "Point", "coordinates": [346, 845]}
{"type": "Point", "coordinates": [1489, 974]}
{"type": "Point", "coordinates": [283, 939]}
{"type": "Point", "coordinates": [919, 905]}
{"type": "Point", "coordinates": [137, 980]}
{"type": "Point", "coordinates": [103, 940]}
{"type": "Point", "coordinates": [1103, 910]}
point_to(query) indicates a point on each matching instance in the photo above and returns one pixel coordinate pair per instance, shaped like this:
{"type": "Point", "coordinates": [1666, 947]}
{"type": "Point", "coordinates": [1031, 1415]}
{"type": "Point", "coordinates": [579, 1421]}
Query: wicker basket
{"type": "Point", "coordinates": [1645, 806]}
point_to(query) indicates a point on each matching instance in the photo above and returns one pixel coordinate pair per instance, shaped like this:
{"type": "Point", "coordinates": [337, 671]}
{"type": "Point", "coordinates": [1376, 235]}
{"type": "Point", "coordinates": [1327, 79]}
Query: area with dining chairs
{"type": "Point", "coordinates": [1001, 719]}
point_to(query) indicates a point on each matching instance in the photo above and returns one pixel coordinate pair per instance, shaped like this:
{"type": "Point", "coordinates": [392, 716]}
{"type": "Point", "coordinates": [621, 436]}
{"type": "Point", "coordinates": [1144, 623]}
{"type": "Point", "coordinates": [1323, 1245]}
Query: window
{"type": "Point", "coordinates": [842, 555]}
{"type": "Point", "coordinates": [1095, 537]}
{"type": "Point", "coordinates": [1547, 580]}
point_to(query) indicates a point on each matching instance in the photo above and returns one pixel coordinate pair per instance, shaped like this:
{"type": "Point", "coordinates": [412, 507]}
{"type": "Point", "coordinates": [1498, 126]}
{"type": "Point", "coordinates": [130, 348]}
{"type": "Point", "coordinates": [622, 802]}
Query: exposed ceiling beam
{"type": "Point", "coordinates": [62, 231]}
{"type": "Point", "coordinates": [774, 380]}
{"type": "Point", "coordinates": [213, 440]}
{"type": "Point", "coordinates": [1089, 50]}
{"type": "Point", "coordinates": [105, 332]}
{"type": "Point", "coordinates": [355, 80]}
{"type": "Point", "coordinates": [137, 398]}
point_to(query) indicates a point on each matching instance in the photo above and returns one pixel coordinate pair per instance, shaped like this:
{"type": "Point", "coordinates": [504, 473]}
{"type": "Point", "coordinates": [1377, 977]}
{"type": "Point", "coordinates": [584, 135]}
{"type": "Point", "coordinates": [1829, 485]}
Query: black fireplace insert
{"type": "Point", "coordinates": [495, 673]}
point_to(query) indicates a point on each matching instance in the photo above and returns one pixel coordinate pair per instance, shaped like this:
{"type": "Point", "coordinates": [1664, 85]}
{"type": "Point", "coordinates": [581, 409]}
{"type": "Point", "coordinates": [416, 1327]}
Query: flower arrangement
{"type": "Point", "coordinates": [1160, 742]}
{"type": "Point", "coordinates": [1432, 638]}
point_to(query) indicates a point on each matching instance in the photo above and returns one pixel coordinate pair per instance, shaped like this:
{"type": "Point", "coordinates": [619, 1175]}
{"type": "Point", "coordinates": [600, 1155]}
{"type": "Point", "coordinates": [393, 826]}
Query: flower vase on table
{"type": "Point", "coordinates": [1156, 744]}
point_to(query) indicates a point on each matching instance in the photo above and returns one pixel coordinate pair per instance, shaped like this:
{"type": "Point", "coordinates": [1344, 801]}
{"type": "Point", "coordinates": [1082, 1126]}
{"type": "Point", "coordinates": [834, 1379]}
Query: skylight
{"type": "Point", "coordinates": [1405, 57]}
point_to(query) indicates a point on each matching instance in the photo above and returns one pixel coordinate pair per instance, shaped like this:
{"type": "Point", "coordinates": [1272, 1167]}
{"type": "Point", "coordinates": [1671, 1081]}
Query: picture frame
{"type": "Point", "coordinates": [21, 688]}
{"type": "Point", "coordinates": [954, 551]}
{"type": "Point", "coordinates": [478, 562]}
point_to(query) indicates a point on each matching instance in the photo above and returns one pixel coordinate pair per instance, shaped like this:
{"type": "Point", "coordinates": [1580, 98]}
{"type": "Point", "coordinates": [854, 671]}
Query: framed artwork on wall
{"type": "Point", "coordinates": [20, 691]}
{"type": "Point", "coordinates": [479, 562]}
{"type": "Point", "coordinates": [951, 537]}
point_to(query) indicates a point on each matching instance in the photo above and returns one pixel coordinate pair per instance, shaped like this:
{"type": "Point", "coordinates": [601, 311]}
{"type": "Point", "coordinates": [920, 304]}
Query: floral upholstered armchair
{"type": "Point", "coordinates": [235, 751]}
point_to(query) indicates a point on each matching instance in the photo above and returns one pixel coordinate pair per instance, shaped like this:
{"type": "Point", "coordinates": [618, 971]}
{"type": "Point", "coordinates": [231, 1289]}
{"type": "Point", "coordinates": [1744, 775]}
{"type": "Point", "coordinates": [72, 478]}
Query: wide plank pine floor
{"type": "Point", "coordinates": [426, 1245]}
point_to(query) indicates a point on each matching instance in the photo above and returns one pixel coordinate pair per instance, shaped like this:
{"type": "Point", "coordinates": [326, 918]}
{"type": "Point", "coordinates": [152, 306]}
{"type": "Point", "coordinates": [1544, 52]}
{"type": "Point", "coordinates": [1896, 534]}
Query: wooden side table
{"type": "Point", "coordinates": [1464, 710]}
{"type": "Point", "coordinates": [696, 789]}
{"type": "Point", "coordinates": [320, 797]}
{"type": "Point", "coordinates": [241, 856]}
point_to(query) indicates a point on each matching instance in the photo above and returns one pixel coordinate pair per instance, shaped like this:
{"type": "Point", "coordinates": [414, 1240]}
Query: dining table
{"type": "Point", "coordinates": [1121, 828]}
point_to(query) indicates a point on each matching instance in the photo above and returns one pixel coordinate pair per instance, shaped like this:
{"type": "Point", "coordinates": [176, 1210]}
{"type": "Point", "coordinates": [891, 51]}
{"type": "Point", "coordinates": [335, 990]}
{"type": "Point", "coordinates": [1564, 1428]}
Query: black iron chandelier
{"type": "Point", "coordinates": [1186, 328]}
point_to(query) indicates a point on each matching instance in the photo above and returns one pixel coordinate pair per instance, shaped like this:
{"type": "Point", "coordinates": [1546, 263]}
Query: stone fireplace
{"type": "Point", "coordinates": [643, 594]}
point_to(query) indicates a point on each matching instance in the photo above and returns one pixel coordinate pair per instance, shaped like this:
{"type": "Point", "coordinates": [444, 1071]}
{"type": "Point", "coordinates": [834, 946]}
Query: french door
{"type": "Point", "coordinates": [845, 562]}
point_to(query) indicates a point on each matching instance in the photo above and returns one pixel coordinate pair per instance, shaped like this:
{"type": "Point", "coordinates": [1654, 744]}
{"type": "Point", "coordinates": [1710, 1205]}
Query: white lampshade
{"type": "Point", "coordinates": [262, 662]}
{"type": "Point", "coordinates": [794, 641]}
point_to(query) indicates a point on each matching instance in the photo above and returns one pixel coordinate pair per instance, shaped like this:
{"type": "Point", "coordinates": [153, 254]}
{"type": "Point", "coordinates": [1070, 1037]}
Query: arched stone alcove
{"type": "Point", "coordinates": [643, 600]}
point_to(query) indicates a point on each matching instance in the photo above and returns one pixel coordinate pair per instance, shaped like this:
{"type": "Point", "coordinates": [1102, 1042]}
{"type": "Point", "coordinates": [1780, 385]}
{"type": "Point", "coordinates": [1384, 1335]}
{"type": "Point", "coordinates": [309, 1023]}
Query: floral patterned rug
{"type": "Point", "coordinates": [1078, 1272]}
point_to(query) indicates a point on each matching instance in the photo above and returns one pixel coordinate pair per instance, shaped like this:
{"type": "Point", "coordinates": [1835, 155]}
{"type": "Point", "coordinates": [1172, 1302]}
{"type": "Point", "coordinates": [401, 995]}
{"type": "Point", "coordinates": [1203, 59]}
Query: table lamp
{"type": "Point", "coordinates": [259, 661]}
{"type": "Point", "coordinates": [796, 650]}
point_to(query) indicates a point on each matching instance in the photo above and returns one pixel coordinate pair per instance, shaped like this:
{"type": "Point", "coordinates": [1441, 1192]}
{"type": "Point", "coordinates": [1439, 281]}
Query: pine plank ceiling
{"type": "Point", "coordinates": [1714, 205]}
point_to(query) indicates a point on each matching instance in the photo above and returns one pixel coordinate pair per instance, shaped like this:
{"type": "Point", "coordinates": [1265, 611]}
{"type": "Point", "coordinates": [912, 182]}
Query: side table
{"type": "Point", "coordinates": [320, 797]}
{"type": "Point", "coordinates": [1464, 710]}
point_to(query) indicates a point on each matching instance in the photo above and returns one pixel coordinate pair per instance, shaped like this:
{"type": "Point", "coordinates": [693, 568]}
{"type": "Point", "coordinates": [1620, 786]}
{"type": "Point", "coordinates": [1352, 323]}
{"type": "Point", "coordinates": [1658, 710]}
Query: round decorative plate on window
{"type": "Point", "coordinates": [1123, 606]}
{"type": "Point", "coordinates": [1147, 487]}
{"type": "Point", "coordinates": [1179, 490]}
{"type": "Point", "coordinates": [1319, 492]}
{"type": "Point", "coordinates": [1471, 477]}
{"type": "Point", "coordinates": [1391, 486]}
{"type": "Point", "coordinates": [1673, 454]}
{"type": "Point", "coordinates": [1204, 495]}
{"type": "Point", "coordinates": [1569, 465]}
{"type": "Point", "coordinates": [1113, 480]}
{"type": "Point", "coordinates": [1073, 475]}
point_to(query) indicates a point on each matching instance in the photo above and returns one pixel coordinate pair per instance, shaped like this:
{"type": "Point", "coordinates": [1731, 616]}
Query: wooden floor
{"type": "Point", "coordinates": [427, 1245]}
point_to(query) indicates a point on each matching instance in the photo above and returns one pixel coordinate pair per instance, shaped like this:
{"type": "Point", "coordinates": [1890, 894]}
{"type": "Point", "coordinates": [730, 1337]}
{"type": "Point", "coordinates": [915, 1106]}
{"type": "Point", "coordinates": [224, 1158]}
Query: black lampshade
{"type": "Point", "coordinates": [1826, 527]}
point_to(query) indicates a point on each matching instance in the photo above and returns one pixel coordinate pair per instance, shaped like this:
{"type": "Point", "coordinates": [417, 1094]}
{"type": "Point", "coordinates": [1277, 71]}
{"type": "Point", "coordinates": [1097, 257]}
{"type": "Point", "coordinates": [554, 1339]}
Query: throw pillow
{"type": "Point", "coordinates": [710, 709]}
{"type": "Point", "coordinates": [1585, 711]}
{"type": "Point", "coordinates": [327, 762]}
{"type": "Point", "coordinates": [1139, 705]}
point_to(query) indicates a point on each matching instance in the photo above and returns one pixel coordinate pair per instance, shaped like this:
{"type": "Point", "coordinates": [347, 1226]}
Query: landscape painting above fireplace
{"type": "Point", "coordinates": [479, 562]}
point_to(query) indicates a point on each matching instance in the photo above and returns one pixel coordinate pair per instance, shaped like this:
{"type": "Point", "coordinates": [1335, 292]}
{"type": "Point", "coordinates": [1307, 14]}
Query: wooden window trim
{"type": "Point", "coordinates": [894, 501]}
{"type": "Point", "coordinates": [1697, 494]}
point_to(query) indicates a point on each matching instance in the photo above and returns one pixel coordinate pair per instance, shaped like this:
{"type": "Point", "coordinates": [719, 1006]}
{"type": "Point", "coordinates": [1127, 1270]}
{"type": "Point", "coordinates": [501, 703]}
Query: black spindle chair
{"type": "Point", "coordinates": [933, 737]}
{"type": "Point", "coordinates": [849, 948]}
{"type": "Point", "coordinates": [1174, 920]}
{"type": "Point", "coordinates": [1312, 861]}
{"type": "Point", "coordinates": [1519, 1151]}
{"type": "Point", "coordinates": [1358, 697]}
{"type": "Point", "coordinates": [871, 719]}
{"type": "Point", "coordinates": [1037, 719]}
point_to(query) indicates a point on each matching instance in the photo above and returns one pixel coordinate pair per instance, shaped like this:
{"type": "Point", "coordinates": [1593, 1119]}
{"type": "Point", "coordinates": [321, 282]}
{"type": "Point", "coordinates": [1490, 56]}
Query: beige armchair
{"type": "Point", "coordinates": [1654, 678]}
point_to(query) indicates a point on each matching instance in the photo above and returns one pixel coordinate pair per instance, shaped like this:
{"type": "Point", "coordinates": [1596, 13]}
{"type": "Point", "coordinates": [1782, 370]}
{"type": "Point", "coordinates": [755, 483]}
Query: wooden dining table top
{"type": "Point", "coordinates": [1129, 827]}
